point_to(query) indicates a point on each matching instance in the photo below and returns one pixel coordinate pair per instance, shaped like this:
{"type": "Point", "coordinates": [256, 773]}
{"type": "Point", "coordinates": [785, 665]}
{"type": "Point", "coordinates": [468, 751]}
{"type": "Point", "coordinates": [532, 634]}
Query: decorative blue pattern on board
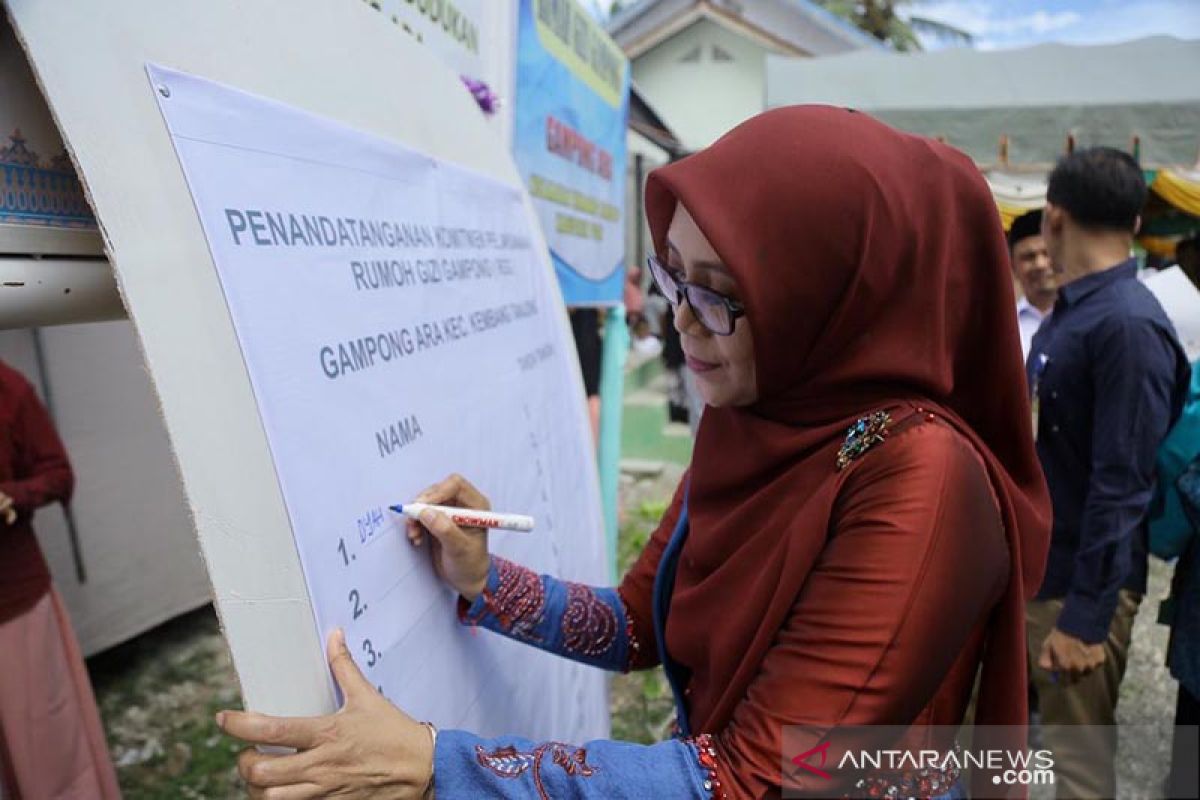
{"type": "Point", "coordinates": [33, 194]}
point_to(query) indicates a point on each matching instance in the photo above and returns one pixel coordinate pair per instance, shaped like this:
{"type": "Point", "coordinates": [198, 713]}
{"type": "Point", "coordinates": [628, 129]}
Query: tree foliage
{"type": "Point", "coordinates": [885, 20]}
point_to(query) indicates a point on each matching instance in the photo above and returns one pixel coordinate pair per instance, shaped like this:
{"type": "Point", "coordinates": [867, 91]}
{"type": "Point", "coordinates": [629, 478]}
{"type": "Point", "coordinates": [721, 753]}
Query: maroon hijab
{"type": "Point", "coordinates": [874, 270]}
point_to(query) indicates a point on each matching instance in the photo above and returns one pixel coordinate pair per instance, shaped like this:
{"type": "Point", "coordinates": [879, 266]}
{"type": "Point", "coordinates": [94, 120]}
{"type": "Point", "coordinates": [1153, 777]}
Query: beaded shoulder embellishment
{"type": "Point", "coordinates": [862, 436]}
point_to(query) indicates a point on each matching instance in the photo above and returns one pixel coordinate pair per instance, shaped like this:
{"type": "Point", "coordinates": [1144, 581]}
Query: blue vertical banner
{"type": "Point", "coordinates": [570, 113]}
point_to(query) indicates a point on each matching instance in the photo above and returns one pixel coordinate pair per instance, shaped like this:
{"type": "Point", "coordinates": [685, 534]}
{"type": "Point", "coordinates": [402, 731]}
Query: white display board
{"type": "Point", "coordinates": [475, 38]}
{"type": "Point", "coordinates": [397, 326]}
{"type": "Point", "coordinates": [1181, 301]}
{"type": "Point", "coordinates": [90, 60]}
{"type": "Point", "coordinates": [459, 31]}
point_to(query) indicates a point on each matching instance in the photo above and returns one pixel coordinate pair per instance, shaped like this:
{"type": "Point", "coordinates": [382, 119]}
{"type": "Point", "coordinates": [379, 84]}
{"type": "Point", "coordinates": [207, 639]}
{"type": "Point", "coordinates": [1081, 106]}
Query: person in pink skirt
{"type": "Point", "coordinates": [51, 743]}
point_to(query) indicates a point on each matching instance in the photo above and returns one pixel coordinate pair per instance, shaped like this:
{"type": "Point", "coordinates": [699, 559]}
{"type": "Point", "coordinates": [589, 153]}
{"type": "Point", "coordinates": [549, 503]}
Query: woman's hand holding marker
{"type": "Point", "coordinates": [460, 555]}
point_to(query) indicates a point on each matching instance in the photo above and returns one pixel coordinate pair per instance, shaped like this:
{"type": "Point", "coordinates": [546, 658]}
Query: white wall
{"type": "Point", "coordinates": [703, 99]}
{"type": "Point", "coordinates": [652, 156]}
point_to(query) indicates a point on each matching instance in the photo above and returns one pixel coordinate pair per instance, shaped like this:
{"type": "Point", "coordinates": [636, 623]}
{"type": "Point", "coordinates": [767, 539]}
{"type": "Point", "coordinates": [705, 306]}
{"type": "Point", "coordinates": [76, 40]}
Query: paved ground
{"type": "Point", "coordinates": [1147, 708]}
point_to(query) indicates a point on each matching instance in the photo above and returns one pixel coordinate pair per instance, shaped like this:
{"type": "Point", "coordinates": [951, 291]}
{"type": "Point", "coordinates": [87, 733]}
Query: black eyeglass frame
{"type": "Point", "coordinates": [683, 288]}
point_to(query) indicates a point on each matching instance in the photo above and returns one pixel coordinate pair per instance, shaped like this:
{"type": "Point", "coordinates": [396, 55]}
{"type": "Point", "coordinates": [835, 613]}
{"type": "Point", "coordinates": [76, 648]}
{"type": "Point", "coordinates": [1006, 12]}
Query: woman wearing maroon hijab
{"type": "Point", "coordinates": [862, 520]}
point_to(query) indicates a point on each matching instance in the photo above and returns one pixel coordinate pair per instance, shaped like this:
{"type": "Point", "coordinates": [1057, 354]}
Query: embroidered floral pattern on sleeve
{"type": "Point", "coordinates": [509, 762]}
{"type": "Point", "coordinates": [706, 754]}
{"type": "Point", "coordinates": [589, 625]}
{"type": "Point", "coordinates": [519, 600]}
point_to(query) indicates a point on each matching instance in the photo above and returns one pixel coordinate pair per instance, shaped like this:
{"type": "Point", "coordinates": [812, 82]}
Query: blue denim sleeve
{"type": "Point", "coordinates": [468, 766]}
{"type": "Point", "coordinates": [1134, 386]}
{"type": "Point", "coordinates": [583, 623]}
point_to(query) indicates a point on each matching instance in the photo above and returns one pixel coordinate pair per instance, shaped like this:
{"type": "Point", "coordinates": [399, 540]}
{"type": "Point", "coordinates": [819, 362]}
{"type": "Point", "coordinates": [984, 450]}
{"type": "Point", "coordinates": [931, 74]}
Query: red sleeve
{"type": "Point", "coordinates": [42, 473]}
{"type": "Point", "coordinates": [916, 560]}
{"type": "Point", "coordinates": [637, 588]}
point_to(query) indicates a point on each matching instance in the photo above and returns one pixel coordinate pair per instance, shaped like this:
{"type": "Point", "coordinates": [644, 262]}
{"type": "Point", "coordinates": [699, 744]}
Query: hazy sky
{"type": "Point", "coordinates": [1015, 23]}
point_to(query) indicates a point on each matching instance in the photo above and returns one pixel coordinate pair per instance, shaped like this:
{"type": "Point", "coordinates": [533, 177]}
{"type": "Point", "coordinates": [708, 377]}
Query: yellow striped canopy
{"type": "Point", "coordinates": [1180, 188]}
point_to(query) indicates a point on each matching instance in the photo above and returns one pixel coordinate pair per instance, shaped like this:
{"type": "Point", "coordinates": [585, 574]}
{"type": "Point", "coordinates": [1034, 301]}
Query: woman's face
{"type": "Point", "coordinates": [723, 365]}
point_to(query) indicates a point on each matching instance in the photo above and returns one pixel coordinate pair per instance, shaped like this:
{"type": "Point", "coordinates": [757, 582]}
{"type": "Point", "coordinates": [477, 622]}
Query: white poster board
{"type": "Point", "coordinates": [475, 38]}
{"type": "Point", "coordinates": [459, 31]}
{"type": "Point", "coordinates": [397, 325]}
{"type": "Point", "coordinates": [1181, 301]}
{"type": "Point", "coordinates": [90, 60]}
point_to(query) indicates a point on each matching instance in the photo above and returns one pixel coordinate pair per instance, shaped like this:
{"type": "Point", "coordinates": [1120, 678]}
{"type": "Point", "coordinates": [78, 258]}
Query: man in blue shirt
{"type": "Point", "coordinates": [1108, 378]}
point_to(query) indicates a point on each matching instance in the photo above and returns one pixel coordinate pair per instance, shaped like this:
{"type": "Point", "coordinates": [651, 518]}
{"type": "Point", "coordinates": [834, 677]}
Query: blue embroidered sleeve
{"type": "Point", "coordinates": [579, 622]}
{"type": "Point", "coordinates": [466, 765]}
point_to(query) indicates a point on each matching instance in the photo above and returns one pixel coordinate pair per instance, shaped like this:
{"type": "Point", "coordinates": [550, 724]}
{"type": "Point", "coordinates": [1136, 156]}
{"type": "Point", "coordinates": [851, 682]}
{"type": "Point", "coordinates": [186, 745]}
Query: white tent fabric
{"type": "Point", "coordinates": [1034, 96]}
{"type": "Point", "coordinates": [138, 544]}
{"type": "Point", "coordinates": [1016, 193]}
{"type": "Point", "coordinates": [1020, 191]}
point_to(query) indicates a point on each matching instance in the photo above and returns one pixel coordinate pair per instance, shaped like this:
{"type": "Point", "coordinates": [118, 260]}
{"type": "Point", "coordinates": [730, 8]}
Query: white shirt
{"type": "Point", "coordinates": [1029, 319]}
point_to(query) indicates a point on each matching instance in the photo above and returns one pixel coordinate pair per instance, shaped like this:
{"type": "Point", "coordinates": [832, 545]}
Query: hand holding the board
{"type": "Point", "coordinates": [460, 555]}
{"type": "Point", "coordinates": [368, 749]}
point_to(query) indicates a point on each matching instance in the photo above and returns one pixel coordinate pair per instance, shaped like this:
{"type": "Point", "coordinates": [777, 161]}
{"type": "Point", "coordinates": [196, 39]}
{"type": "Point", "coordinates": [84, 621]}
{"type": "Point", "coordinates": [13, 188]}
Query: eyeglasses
{"type": "Point", "coordinates": [716, 312]}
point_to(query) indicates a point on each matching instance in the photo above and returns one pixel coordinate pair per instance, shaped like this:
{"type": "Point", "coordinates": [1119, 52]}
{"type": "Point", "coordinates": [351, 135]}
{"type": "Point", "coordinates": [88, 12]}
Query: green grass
{"type": "Point", "coordinates": [641, 704]}
{"type": "Point", "coordinates": [158, 695]}
{"type": "Point", "coordinates": [199, 764]}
